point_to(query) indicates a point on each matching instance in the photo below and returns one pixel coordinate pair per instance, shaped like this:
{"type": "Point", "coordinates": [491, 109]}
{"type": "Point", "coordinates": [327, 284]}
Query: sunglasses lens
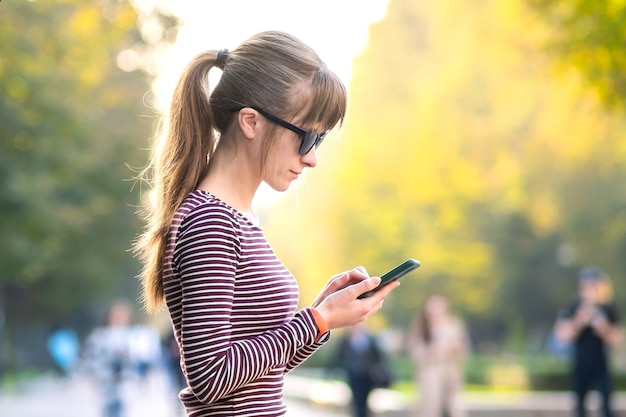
{"type": "Point", "coordinates": [320, 138]}
{"type": "Point", "coordinates": [310, 140]}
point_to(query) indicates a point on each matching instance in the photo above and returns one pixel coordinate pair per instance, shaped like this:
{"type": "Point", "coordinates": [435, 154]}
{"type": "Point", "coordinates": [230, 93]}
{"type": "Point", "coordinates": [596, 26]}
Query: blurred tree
{"type": "Point", "coordinates": [464, 149]}
{"type": "Point", "coordinates": [73, 75]}
{"type": "Point", "coordinates": [589, 36]}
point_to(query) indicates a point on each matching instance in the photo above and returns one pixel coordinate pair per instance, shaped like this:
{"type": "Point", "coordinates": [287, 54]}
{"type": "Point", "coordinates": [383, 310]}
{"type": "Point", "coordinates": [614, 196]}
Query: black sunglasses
{"type": "Point", "coordinates": [309, 138]}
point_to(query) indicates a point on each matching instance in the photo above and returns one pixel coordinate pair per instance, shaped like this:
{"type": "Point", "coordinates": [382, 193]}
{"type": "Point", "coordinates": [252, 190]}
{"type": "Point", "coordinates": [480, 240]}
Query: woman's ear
{"type": "Point", "coordinates": [248, 119]}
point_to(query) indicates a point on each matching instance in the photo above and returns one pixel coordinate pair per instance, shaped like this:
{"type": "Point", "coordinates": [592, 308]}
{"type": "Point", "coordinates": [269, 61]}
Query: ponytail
{"type": "Point", "coordinates": [261, 71]}
{"type": "Point", "coordinates": [178, 163]}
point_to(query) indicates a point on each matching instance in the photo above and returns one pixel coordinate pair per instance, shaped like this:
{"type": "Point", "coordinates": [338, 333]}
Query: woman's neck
{"type": "Point", "coordinates": [232, 181]}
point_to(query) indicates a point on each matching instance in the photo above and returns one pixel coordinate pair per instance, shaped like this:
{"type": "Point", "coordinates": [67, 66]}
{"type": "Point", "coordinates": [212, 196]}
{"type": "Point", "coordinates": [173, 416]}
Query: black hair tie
{"type": "Point", "coordinates": [220, 61]}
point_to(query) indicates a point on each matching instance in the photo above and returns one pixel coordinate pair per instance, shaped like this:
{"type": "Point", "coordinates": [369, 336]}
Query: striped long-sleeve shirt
{"type": "Point", "coordinates": [232, 304]}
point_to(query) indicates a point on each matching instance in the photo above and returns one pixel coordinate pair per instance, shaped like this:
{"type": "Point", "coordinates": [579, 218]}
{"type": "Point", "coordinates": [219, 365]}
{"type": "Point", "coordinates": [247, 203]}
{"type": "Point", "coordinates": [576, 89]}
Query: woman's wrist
{"type": "Point", "coordinates": [320, 322]}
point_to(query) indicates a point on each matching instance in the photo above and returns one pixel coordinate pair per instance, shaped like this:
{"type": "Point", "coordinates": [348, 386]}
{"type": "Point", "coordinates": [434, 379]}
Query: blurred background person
{"type": "Point", "coordinates": [145, 349]}
{"type": "Point", "coordinates": [438, 344]}
{"type": "Point", "coordinates": [364, 366]}
{"type": "Point", "coordinates": [107, 357]}
{"type": "Point", "coordinates": [590, 323]}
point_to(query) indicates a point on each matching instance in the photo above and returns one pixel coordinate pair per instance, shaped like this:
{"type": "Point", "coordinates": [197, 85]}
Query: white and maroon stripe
{"type": "Point", "coordinates": [232, 305]}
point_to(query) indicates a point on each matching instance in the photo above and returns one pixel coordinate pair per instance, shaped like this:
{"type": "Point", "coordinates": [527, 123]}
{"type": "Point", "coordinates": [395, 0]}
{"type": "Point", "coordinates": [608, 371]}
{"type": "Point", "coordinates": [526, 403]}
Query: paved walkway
{"type": "Point", "coordinates": [79, 398]}
{"type": "Point", "coordinates": [388, 403]}
{"type": "Point", "coordinates": [306, 397]}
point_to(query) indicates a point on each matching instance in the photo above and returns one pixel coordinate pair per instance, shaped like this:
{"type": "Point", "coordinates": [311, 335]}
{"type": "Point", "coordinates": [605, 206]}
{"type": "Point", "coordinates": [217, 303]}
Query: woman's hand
{"type": "Point", "coordinates": [340, 281]}
{"type": "Point", "coordinates": [338, 303]}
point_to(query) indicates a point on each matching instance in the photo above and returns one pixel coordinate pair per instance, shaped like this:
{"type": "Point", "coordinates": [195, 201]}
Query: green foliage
{"type": "Point", "coordinates": [589, 36]}
{"type": "Point", "coordinates": [505, 373]}
{"type": "Point", "coordinates": [464, 149]}
{"type": "Point", "coordinates": [72, 124]}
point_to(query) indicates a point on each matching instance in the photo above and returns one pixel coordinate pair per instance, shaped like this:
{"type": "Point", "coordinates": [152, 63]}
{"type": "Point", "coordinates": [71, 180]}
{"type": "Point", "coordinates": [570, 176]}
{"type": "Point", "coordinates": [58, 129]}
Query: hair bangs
{"type": "Point", "coordinates": [327, 100]}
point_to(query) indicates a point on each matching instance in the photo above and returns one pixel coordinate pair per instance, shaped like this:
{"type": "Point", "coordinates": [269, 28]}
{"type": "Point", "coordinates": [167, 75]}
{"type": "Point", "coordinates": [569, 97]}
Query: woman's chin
{"type": "Point", "coordinates": [280, 186]}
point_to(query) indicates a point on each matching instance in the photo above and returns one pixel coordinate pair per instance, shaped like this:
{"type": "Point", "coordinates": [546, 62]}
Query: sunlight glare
{"type": "Point", "coordinates": [337, 30]}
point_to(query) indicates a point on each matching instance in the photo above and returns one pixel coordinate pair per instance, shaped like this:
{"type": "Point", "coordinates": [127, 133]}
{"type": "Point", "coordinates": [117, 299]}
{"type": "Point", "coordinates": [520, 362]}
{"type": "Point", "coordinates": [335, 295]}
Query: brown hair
{"type": "Point", "coordinates": [421, 327]}
{"type": "Point", "coordinates": [271, 70]}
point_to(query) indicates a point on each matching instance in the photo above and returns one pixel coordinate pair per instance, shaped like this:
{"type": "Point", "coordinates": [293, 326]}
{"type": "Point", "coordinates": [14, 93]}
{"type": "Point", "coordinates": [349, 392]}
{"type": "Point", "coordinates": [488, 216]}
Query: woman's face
{"type": "Point", "coordinates": [436, 307]}
{"type": "Point", "coordinates": [284, 163]}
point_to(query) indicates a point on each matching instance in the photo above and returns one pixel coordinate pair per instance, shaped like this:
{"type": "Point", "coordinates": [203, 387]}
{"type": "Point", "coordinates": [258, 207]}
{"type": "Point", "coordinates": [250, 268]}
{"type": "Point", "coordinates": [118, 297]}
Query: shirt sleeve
{"type": "Point", "coordinates": [304, 352]}
{"type": "Point", "coordinates": [206, 258]}
{"type": "Point", "coordinates": [568, 312]}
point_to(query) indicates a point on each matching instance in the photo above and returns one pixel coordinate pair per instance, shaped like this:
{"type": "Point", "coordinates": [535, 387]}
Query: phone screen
{"type": "Point", "coordinates": [396, 273]}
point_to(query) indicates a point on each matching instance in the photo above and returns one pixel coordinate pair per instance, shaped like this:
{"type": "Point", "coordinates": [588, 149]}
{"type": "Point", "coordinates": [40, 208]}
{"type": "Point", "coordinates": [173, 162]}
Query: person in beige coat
{"type": "Point", "coordinates": [438, 344]}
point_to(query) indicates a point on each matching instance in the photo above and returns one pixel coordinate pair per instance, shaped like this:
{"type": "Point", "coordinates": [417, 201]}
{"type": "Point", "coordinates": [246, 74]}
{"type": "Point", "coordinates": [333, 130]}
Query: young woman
{"type": "Point", "coordinates": [438, 344]}
{"type": "Point", "coordinates": [231, 301]}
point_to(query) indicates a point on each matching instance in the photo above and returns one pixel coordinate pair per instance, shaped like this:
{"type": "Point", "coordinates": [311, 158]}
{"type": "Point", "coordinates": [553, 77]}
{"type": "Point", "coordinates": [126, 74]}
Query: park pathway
{"type": "Point", "coordinates": [77, 397]}
{"type": "Point", "coordinates": [306, 397]}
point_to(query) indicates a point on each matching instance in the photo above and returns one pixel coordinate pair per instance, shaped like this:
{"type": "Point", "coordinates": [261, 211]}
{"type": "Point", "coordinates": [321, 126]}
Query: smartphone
{"type": "Point", "coordinates": [396, 273]}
